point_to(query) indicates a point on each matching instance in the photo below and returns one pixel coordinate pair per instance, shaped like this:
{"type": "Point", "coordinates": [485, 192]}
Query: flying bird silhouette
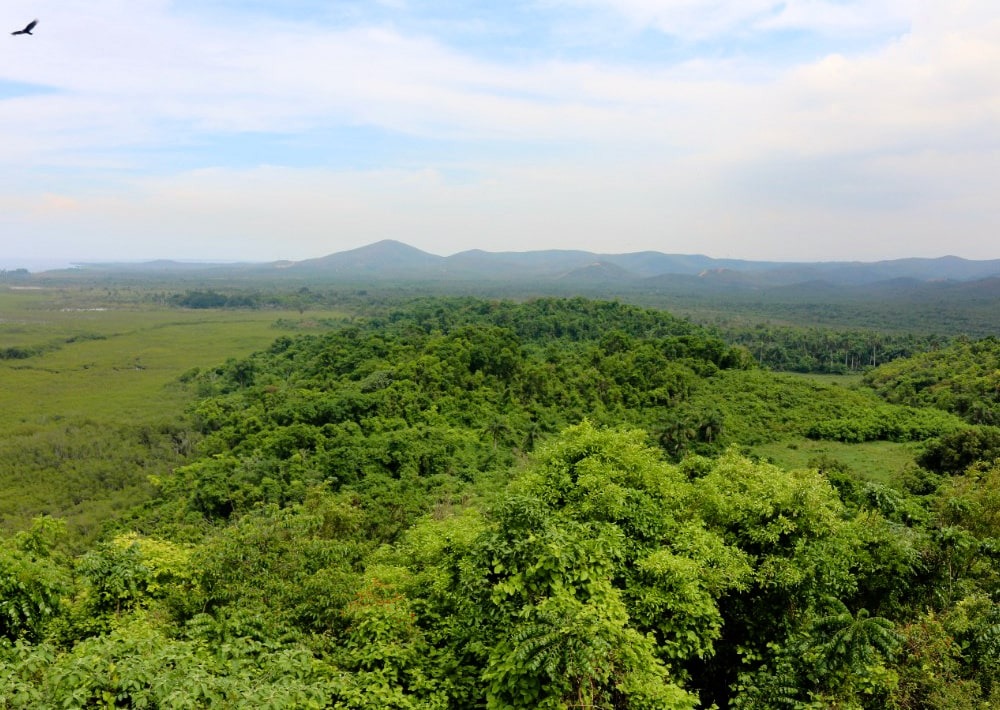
{"type": "Point", "coordinates": [27, 30]}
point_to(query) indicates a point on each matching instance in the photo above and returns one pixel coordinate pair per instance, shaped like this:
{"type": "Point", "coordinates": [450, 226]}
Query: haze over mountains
{"type": "Point", "coordinates": [396, 261]}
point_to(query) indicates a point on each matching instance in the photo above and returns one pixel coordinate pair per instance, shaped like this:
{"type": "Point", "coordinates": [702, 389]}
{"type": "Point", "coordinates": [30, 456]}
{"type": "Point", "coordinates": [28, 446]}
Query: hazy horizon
{"type": "Point", "coordinates": [803, 130]}
{"type": "Point", "coordinates": [52, 264]}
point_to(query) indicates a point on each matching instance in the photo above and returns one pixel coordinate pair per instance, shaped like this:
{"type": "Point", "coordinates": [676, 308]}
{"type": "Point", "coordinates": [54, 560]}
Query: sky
{"type": "Point", "coordinates": [252, 130]}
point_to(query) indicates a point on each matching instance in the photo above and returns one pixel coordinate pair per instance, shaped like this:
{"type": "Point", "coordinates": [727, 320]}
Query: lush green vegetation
{"type": "Point", "coordinates": [825, 350]}
{"type": "Point", "coordinates": [457, 503]}
{"type": "Point", "coordinates": [963, 378]}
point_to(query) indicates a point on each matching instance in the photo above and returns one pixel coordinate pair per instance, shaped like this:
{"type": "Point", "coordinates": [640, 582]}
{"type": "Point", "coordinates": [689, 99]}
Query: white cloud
{"type": "Point", "coordinates": [860, 17]}
{"type": "Point", "coordinates": [691, 155]}
{"type": "Point", "coordinates": [694, 20]}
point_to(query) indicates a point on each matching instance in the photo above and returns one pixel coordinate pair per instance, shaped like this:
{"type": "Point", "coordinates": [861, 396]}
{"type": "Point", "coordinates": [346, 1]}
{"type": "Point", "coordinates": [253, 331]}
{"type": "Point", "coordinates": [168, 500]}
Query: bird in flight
{"type": "Point", "coordinates": [27, 30]}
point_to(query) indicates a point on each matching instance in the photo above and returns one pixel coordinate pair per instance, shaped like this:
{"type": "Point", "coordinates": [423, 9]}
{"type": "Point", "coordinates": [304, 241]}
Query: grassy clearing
{"type": "Point", "coordinates": [99, 407]}
{"type": "Point", "coordinates": [849, 381]}
{"type": "Point", "coordinates": [127, 374]}
{"type": "Point", "coordinates": [877, 460]}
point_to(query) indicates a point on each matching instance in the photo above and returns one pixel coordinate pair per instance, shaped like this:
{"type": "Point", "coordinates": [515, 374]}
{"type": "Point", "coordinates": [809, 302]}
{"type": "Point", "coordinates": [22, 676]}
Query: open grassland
{"type": "Point", "coordinates": [91, 404]}
{"type": "Point", "coordinates": [849, 381]}
{"type": "Point", "coordinates": [882, 461]}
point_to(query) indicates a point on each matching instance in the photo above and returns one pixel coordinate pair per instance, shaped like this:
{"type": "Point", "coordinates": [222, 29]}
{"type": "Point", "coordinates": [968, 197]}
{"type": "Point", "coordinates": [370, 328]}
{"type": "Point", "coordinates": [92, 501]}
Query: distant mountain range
{"type": "Point", "coordinates": [390, 260]}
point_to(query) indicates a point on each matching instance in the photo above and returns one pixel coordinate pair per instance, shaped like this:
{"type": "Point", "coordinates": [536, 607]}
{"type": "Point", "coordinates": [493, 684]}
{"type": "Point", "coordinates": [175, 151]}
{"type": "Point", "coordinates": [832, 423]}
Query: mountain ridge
{"type": "Point", "coordinates": [390, 259]}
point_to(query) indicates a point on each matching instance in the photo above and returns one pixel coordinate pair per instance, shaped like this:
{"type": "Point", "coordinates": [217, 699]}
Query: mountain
{"type": "Point", "coordinates": [393, 260]}
{"type": "Point", "coordinates": [600, 272]}
{"type": "Point", "coordinates": [387, 259]}
{"type": "Point", "coordinates": [545, 264]}
{"type": "Point", "coordinates": [856, 272]}
{"type": "Point", "coordinates": [652, 263]}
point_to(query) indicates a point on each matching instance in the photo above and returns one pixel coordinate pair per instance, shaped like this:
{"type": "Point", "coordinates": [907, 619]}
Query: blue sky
{"type": "Point", "coordinates": [256, 130]}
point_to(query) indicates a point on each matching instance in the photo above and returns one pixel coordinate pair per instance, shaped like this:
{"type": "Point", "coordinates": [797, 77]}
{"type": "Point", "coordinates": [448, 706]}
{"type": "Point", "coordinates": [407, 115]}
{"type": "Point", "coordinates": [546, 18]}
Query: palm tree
{"type": "Point", "coordinates": [496, 428]}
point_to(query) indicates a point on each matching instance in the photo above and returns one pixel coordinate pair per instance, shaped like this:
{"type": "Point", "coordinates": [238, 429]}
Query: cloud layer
{"type": "Point", "coordinates": [795, 130]}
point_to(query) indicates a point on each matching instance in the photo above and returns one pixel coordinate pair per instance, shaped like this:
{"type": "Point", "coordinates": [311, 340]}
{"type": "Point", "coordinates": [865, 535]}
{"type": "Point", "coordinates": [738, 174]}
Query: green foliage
{"type": "Point", "coordinates": [594, 581]}
{"type": "Point", "coordinates": [385, 652]}
{"type": "Point", "coordinates": [963, 378]}
{"type": "Point", "coordinates": [565, 652]}
{"type": "Point", "coordinates": [214, 299]}
{"type": "Point", "coordinates": [753, 407]}
{"type": "Point", "coordinates": [930, 672]}
{"type": "Point", "coordinates": [886, 423]}
{"type": "Point", "coordinates": [671, 569]}
{"type": "Point", "coordinates": [791, 523]}
{"type": "Point", "coordinates": [137, 665]}
{"type": "Point", "coordinates": [967, 533]}
{"type": "Point", "coordinates": [837, 659]}
{"type": "Point", "coordinates": [116, 576]}
{"type": "Point", "coordinates": [401, 405]}
{"type": "Point", "coordinates": [957, 450]}
{"type": "Point", "coordinates": [825, 350]}
{"type": "Point", "coordinates": [845, 645]}
{"type": "Point", "coordinates": [32, 582]}
{"type": "Point", "coordinates": [804, 550]}
{"type": "Point", "coordinates": [301, 562]}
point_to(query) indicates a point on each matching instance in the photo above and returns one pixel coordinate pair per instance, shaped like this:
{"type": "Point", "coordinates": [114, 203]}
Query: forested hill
{"type": "Point", "coordinates": [473, 504]}
{"type": "Point", "coordinates": [963, 378]}
{"type": "Point", "coordinates": [392, 260]}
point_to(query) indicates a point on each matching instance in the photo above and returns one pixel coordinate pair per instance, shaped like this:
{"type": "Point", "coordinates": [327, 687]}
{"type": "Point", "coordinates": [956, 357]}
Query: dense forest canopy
{"type": "Point", "coordinates": [459, 503]}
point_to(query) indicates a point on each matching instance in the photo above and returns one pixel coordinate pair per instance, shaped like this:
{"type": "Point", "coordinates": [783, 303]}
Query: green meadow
{"type": "Point", "coordinates": [91, 401]}
{"type": "Point", "coordinates": [882, 461]}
